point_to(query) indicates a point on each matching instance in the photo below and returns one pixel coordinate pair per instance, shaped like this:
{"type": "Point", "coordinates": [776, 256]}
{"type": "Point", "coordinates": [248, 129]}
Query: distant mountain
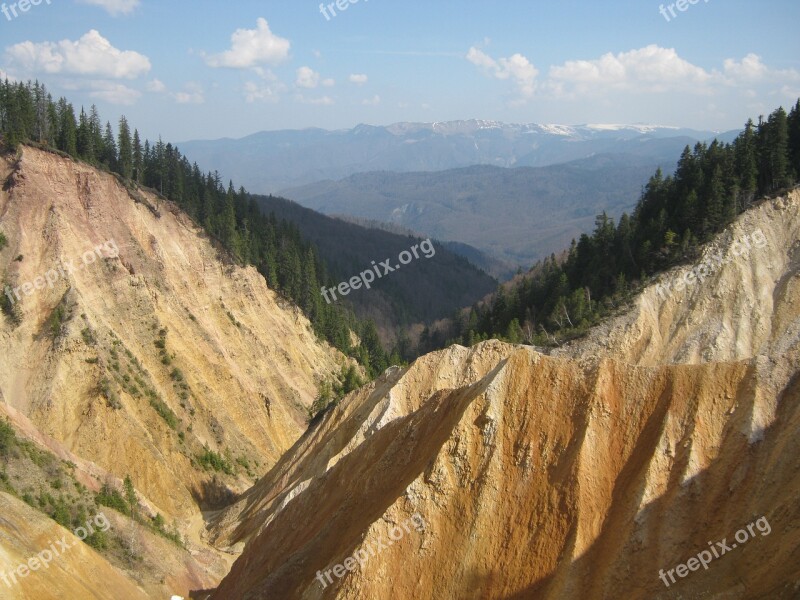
{"type": "Point", "coordinates": [516, 215]}
{"type": "Point", "coordinates": [425, 290]}
{"type": "Point", "coordinates": [271, 161]}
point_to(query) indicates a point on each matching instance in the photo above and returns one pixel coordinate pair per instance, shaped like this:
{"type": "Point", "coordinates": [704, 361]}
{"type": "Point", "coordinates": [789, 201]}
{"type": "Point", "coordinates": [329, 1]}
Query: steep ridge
{"type": "Point", "coordinates": [77, 572]}
{"type": "Point", "coordinates": [132, 342]}
{"type": "Point", "coordinates": [581, 474]}
{"type": "Point", "coordinates": [744, 305]}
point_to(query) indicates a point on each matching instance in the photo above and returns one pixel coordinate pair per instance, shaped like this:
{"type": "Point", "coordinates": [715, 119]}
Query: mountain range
{"type": "Point", "coordinates": [271, 161]}
{"type": "Point", "coordinates": [515, 215]}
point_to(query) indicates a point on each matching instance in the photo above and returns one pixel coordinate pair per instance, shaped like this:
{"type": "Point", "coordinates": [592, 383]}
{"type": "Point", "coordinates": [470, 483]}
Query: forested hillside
{"type": "Point", "coordinates": [423, 291]}
{"type": "Point", "coordinates": [291, 265]}
{"type": "Point", "coordinates": [713, 183]}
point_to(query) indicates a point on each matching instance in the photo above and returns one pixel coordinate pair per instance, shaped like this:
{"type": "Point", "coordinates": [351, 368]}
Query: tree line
{"type": "Point", "coordinates": [291, 265]}
{"type": "Point", "coordinates": [561, 298]}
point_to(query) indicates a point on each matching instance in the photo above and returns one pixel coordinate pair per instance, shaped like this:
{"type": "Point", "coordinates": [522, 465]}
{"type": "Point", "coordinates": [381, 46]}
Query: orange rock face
{"type": "Point", "coordinates": [602, 471]}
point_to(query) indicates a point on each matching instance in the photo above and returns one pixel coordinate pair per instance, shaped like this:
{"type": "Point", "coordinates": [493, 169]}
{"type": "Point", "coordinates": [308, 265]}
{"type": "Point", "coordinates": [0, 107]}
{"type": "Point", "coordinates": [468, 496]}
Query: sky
{"type": "Point", "coordinates": [205, 70]}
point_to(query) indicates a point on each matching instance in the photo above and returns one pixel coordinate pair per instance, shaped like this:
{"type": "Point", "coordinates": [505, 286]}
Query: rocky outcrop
{"type": "Point", "coordinates": [131, 341]}
{"type": "Point", "coordinates": [578, 475]}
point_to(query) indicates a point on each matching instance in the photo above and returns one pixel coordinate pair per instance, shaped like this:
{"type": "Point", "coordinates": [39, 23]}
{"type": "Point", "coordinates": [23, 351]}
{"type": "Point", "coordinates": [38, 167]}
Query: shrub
{"type": "Point", "coordinates": [164, 411]}
{"type": "Point", "coordinates": [56, 321]}
{"type": "Point", "coordinates": [98, 540]}
{"type": "Point", "coordinates": [213, 460]}
{"type": "Point", "coordinates": [88, 336]}
{"type": "Point", "coordinates": [8, 307]}
{"type": "Point", "coordinates": [7, 438]}
{"type": "Point", "coordinates": [111, 498]}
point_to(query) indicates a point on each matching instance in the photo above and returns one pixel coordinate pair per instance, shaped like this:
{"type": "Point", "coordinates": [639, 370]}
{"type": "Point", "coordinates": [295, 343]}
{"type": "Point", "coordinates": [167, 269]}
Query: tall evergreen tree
{"type": "Point", "coordinates": [778, 149]}
{"type": "Point", "coordinates": [67, 140]}
{"type": "Point", "coordinates": [794, 141]}
{"type": "Point", "coordinates": [125, 145]}
{"type": "Point", "coordinates": [138, 157]}
{"type": "Point", "coordinates": [86, 149]}
{"type": "Point", "coordinates": [109, 154]}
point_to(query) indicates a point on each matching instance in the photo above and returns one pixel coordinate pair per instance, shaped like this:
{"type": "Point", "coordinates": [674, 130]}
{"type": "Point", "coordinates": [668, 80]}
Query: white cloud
{"type": "Point", "coordinates": [109, 91]}
{"type": "Point", "coordinates": [752, 70]}
{"type": "Point", "coordinates": [374, 101]}
{"type": "Point", "coordinates": [192, 94]}
{"type": "Point", "coordinates": [307, 78]}
{"type": "Point", "coordinates": [251, 48]}
{"type": "Point", "coordinates": [91, 55]}
{"type": "Point", "coordinates": [114, 7]}
{"type": "Point", "coordinates": [156, 86]}
{"type": "Point", "coordinates": [262, 92]}
{"type": "Point", "coordinates": [654, 69]}
{"type": "Point", "coordinates": [651, 68]}
{"type": "Point", "coordinates": [516, 68]}
{"type": "Point", "coordinates": [358, 78]}
{"type": "Point", "coordinates": [328, 82]}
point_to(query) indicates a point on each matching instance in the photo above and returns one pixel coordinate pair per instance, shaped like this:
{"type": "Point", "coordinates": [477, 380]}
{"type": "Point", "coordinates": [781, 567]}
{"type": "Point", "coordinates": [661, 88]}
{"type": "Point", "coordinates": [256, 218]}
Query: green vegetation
{"type": "Point", "coordinates": [109, 393]}
{"type": "Point", "coordinates": [111, 498]}
{"type": "Point", "coordinates": [164, 411]}
{"type": "Point", "coordinates": [56, 321]}
{"type": "Point", "coordinates": [212, 460]}
{"type": "Point", "coordinates": [7, 307]}
{"type": "Point", "coordinates": [72, 506]}
{"type": "Point", "coordinates": [231, 217]}
{"type": "Point", "coordinates": [159, 525]}
{"type": "Point", "coordinates": [88, 336]}
{"type": "Point", "coordinates": [331, 392]}
{"type": "Point", "coordinates": [713, 184]}
{"type": "Point", "coordinates": [3, 241]}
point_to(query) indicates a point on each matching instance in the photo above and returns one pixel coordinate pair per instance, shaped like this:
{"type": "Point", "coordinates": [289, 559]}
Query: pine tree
{"type": "Point", "coordinates": [109, 154]}
{"type": "Point", "coordinates": [138, 157]}
{"type": "Point", "coordinates": [42, 132]}
{"type": "Point", "coordinates": [86, 149]}
{"type": "Point", "coordinates": [67, 140]}
{"type": "Point", "coordinates": [125, 164]}
{"type": "Point", "coordinates": [794, 141]}
{"type": "Point", "coordinates": [96, 133]}
{"type": "Point", "coordinates": [747, 162]}
{"type": "Point", "coordinates": [778, 149]}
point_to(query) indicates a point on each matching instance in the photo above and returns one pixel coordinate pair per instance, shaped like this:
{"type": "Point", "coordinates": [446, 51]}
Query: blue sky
{"type": "Point", "coordinates": [188, 70]}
